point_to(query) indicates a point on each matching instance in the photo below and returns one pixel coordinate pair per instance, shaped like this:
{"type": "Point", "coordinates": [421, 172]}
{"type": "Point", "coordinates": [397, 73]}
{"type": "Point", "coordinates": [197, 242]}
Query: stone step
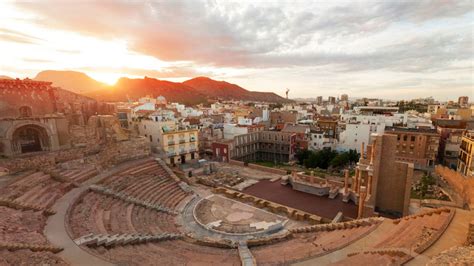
{"type": "Point", "coordinates": [118, 195]}
{"type": "Point", "coordinates": [123, 239]}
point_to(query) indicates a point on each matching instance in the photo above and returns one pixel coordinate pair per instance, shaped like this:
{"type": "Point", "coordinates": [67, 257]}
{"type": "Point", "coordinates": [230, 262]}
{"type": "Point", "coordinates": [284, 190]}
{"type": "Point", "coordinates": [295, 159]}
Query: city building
{"type": "Point", "coordinates": [416, 145]}
{"type": "Point", "coordinates": [466, 154]}
{"type": "Point", "coordinates": [302, 135]}
{"type": "Point", "coordinates": [180, 145]}
{"type": "Point", "coordinates": [450, 132]}
{"type": "Point", "coordinates": [355, 134]}
{"type": "Point", "coordinates": [272, 146]}
{"type": "Point", "coordinates": [319, 100]}
{"type": "Point", "coordinates": [280, 118]}
{"type": "Point", "coordinates": [463, 100]}
{"type": "Point", "coordinates": [177, 143]}
{"type": "Point", "coordinates": [318, 140]}
{"type": "Point", "coordinates": [332, 100]}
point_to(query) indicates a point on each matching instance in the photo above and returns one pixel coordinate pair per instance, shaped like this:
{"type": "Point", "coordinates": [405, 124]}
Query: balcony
{"type": "Point", "coordinates": [192, 139]}
{"type": "Point", "coordinates": [192, 150]}
{"type": "Point", "coordinates": [182, 141]}
{"type": "Point", "coordinates": [183, 151]}
{"type": "Point", "coordinates": [171, 142]}
{"type": "Point", "coordinates": [171, 153]}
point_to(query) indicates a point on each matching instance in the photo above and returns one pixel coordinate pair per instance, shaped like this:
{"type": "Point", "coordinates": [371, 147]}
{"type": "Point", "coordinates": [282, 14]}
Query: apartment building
{"type": "Point", "coordinates": [466, 154]}
{"type": "Point", "coordinates": [175, 142]}
{"type": "Point", "coordinates": [416, 145]}
{"type": "Point", "coordinates": [180, 145]}
{"type": "Point", "coordinates": [318, 140]}
{"type": "Point", "coordinates": [302, 134]}
{"type": "Point", "coordinates": [273, 146]}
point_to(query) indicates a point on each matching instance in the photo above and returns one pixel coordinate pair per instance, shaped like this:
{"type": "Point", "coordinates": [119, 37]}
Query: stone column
{"type": "Point", "coordinates": [362, 150]}
{"type": "Point", "coordinates": [359, 181]}
{"type": "Point", "coordinates": [372, 153]}
{"type": "Point", "coordinates": [346, 181]}
{"type": "Point", "coordinates": [369, 184]}
{"type": "Point", "coordinates": [355, 184]}
{"type": "Point", "coordinates": [362, 196]}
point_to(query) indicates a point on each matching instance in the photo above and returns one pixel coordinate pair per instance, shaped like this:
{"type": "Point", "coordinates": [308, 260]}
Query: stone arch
{"type": "Point", "coordinates": [29, 137]}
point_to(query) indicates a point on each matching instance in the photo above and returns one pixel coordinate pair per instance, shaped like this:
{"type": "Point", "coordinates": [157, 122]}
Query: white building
{"type": "Point", "coordinates": [318, 141]}
{"type": "Point", "coordinates": [232, 130]}
{"type": "Point", "coordinates": [355, 134]}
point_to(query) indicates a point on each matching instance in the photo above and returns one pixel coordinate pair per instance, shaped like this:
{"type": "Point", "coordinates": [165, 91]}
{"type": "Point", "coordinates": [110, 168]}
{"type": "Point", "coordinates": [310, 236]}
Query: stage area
{"type": "Point", "coordinates": [229, 216]}
{"type": "Point", "coordinates": [285, 195]}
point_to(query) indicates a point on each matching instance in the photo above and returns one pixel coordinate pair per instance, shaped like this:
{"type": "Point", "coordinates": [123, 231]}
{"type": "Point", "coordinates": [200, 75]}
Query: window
{"type": "Point", "coordinates": [25, 111]}
{"type": "Point", "coordinates": [151, 138]}
{"type": "Point", "coordinates": [413, 138]}
{"type": "Point", "coordinates": [405, 137]}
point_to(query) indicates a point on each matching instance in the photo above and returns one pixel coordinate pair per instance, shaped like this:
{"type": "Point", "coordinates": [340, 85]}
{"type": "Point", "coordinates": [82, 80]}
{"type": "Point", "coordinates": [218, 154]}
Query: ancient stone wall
{"type": "Point", "coordinates": [267, 169]}
{"type": "Point", "coordinates": [235, 162]}
{"type": "Point", "coordinates": [464, 186]}
{"type": "Point", "coordinates": [292, 213]}
{"type": "Point", "coordinates": [37, 96]}
{"type": "Point", "coordinates": [319, 180]}
{"type": "Point", "coordinates": [470, 233]}
{"type": "Point", "coordinates": [102, 156]}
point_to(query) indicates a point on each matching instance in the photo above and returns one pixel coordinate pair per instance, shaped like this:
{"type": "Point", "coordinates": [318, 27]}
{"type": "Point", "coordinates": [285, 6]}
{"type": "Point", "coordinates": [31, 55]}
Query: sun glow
{"type": "Point", "coordinates": [31, 47]}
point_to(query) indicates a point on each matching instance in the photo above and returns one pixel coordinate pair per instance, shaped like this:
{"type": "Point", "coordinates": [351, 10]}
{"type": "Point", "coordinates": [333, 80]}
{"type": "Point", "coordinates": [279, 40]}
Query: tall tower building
{"type": "Point", "coordinates": [463, 100]}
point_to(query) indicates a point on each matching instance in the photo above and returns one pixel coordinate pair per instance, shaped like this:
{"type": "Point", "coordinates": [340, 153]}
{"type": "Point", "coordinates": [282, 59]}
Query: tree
{"type": "Point", "coordinates": [426, 181]}
{"type": "Point", "coordinates": [320, 159]}
{"type": "Point", "coordinates": [353, 156]}
{"type": "Point", "coordinates": [302, 155]}
{"type": "Point", "coordinates": [340, 160]}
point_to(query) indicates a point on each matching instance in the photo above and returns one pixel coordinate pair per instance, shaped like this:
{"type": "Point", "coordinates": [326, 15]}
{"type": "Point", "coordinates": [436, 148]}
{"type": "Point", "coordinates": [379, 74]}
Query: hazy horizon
{"type": "Point", "coordinates": [381, 49]}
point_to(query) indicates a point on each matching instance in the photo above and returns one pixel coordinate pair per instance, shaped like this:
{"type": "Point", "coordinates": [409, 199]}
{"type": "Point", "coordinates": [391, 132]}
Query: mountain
{"type": "Point", "coordinates": [5, 77]}
{"type": "Point", "coordinates": [127, 88]}
{"type": "Point", "coordinates": [228, 91]}
{"type": "Point", "coordinates": [193, 91]}
{"type": "Point", "coordinates": [74, 81]}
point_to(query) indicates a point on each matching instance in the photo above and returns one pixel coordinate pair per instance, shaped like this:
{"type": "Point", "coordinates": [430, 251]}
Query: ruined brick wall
{"type": "Point", "coordinates": [392, 179]}
{"type": "Point", "coordinates": [470, 233]}
{"type": "Point", "coordinates": [267, 169]}
{"type": "Point", "coordinates": [464, 186]}
{"type": "Point", "coordinates": [39, 96]}
{"type": "Point", "coordinates": [103, 156]}
{"type": "Point", "coordinates": [41, 161]}
{"type": "Point", "coordinates": [119, 152]}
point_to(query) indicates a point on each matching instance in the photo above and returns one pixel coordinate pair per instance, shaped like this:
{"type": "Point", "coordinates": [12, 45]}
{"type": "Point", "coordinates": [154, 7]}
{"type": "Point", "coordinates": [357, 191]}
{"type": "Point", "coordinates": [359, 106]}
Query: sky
{"type": "Point", "coordinates": [386, 49]}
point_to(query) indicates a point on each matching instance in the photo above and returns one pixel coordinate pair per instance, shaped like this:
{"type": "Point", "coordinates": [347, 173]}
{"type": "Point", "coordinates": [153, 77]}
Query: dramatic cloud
{"type": "Point", "coordinates": [349, 40]}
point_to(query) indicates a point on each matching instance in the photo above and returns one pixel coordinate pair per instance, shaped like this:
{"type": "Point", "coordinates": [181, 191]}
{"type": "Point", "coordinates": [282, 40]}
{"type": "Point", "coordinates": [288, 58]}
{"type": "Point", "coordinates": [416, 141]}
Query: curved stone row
{"type": "Point", "coordinates": [130, 199]}
{"type": "Point", "coordinates": [123, 239]}
{"type": "Point", "coordinates": [12, 246]}
{"type": "Point", "coordinates": [337, 226]}
{"type": "Point", "coordinates": [24, 206]}
{"type": "Point", "coordinates": [419, 215]}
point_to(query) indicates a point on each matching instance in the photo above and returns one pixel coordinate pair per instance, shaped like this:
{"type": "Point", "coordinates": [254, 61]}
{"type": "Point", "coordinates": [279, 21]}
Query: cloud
{"type": "Point", "coordinates": [19, 37]}
{"type": "Point", "coordinates": [241, 34]}
{"type": "Point", "coordinates": [376, 45]}
{"type": "Point", "coordinates": [179, 71]}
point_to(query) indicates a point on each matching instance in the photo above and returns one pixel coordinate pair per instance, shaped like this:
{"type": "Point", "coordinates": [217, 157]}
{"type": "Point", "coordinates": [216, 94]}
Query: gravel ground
{"type": "Point", "coordinates": [455, 256]}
